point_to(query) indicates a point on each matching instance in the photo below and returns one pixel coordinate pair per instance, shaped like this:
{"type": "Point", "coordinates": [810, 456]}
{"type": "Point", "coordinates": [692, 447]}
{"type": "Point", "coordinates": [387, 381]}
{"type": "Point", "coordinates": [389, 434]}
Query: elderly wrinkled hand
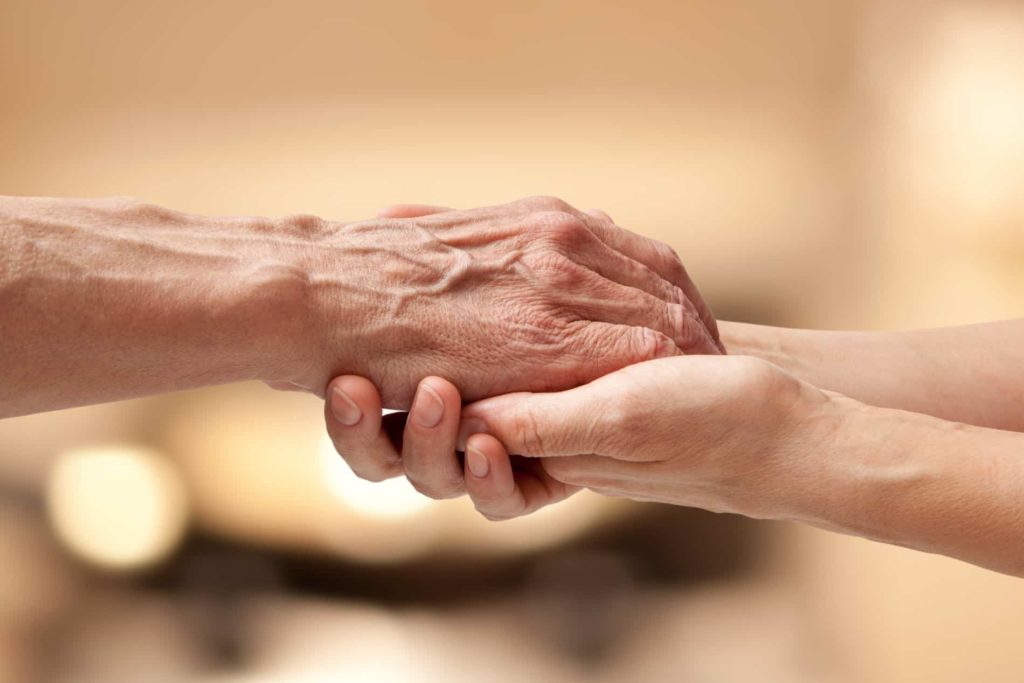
{"type": "Point", "coordinates": [531, 295]}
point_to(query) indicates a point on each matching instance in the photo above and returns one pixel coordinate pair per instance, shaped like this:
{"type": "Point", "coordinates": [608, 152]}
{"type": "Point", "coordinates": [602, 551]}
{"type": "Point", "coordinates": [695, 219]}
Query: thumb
{"type": "Point", "coordinates": [537, 425]}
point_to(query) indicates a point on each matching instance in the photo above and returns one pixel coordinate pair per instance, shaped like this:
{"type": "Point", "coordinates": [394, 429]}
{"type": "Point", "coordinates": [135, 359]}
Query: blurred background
{"type": "Point", "coordinates": [841, 163]}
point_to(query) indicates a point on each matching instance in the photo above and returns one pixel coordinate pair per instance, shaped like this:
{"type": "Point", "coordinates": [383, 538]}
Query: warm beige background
{"type": "Point", "coordinates": [840, 163]}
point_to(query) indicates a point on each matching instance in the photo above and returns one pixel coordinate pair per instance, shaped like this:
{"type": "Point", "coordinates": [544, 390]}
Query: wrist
{"type": "Point", "coordinates": [781, 425]}
{"type": "Point", "coordinates": [278, 284]}
{"type": "Point", "coordinates": [852, 471]}
{"type": "Point", "coordinates": [219, 298]}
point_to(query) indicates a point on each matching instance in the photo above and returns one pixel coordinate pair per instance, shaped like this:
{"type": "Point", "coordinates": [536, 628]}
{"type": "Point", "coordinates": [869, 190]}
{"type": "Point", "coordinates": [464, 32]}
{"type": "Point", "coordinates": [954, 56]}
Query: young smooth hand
{"type": "Point", "coordinates": [702, 431]}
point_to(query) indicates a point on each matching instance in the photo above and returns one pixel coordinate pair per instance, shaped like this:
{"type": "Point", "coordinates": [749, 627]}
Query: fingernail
{"type": "Point", "coordinates": [469, 427]}
{"type": "Point", "coordinates": [477, 463]}
{"type": "Point", "coordinates": [427, 408]}
{"type": "Point", "coordinates": [344, 408]}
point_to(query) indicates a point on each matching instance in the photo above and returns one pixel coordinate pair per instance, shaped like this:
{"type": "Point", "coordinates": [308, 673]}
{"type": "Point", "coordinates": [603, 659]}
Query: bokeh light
{"type": "Point", "coordinates": [394, 499]}
{"type": "Point", "coordinates": [118, 507]}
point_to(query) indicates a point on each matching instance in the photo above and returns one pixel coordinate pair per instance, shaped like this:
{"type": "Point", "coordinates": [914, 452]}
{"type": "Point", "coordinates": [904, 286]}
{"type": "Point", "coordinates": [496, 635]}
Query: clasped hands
{"type": "Point", "coordinates": [636, 398]}
{"type": "Point", "coordinates": [539, 349]}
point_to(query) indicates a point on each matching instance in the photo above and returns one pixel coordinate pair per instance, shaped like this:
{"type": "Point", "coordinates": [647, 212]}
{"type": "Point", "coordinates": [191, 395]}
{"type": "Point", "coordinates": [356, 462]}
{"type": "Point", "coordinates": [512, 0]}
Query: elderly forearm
{"type": "Point", "coordinates": [109, 299]}
{"type": "Point", "coordinates": [972, 374]}
{"type": "Point", "coordinates": [911, 480]}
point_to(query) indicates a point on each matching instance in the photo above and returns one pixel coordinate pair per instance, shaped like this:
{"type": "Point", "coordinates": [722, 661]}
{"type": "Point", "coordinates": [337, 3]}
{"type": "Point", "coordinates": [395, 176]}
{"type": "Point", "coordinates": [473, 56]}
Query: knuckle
{"type": "Point", "coordinates": [642, 343]}
{"type": "Point", "coordinates": [666, 252]}
{"type": "Point", "coordinates": [538, 326]}
{"type": "Point", "coordinates": [548, 202]}
{"type": "Point", "coordinates": [545, 335]}
{"type": "Point", "coordinates": [526, 431]}
{"type": "Point", "coordinates": [147, 210]}
{"type": "Point", "coordinates": [671, 253]}
{"type": "Point", "coordinates": [564, 276]}
{"type": "Point", "coordinates": [303, 224]}
{"type": "Point", "coordinates": [545, 261]}
{"type": "Point", "coordinates": [555, 271]}
{"type": "Point", "coordinates": [690, 328]}
{"type": "Point", "coordinates": [561, 230]}
{"type": "Point", "coordinates": [670, 260]}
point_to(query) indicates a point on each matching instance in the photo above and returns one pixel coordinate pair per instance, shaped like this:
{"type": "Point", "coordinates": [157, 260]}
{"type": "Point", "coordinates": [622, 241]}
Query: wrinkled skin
{"type": "Point", "coordinates": [532, 295]}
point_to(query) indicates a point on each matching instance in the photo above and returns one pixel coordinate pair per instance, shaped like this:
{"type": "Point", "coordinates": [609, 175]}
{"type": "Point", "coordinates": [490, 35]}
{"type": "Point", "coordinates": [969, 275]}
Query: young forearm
{"type": "Point", "coordinates": [972, 374]}
{"type": "Point", "coordinates": [912, 480]}
{"type": "Point", "coordinates": [109, 299]}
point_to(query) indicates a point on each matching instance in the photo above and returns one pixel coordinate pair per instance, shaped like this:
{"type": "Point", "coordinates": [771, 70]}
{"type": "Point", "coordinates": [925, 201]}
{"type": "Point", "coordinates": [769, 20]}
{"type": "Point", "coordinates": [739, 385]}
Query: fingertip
{"type": "Point", "coordinates": [446, 391]}
{"type": "Point", "coordinates": [488, 473]}
{"type": "Point", "coordinates": [352, 398]}
{"type": "Point", "coordinates": [353, 419]}
{"type": "Point", "coordinates": [487, 445]}
{"type": "Point", "coordinates": [478, 465]}
{"type": "Point", "coordinates": [429, 441]}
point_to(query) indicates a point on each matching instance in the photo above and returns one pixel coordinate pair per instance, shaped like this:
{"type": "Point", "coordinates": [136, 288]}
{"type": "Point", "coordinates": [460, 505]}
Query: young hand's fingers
{"type": "Point", "coordinates": [498, 491]}
{"type": "Point", "coordinates": [410, 210]}
{"type": "Point", "coordinates": [353, 415]}
{"type": "Point", "coordinates": [428, 446]}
